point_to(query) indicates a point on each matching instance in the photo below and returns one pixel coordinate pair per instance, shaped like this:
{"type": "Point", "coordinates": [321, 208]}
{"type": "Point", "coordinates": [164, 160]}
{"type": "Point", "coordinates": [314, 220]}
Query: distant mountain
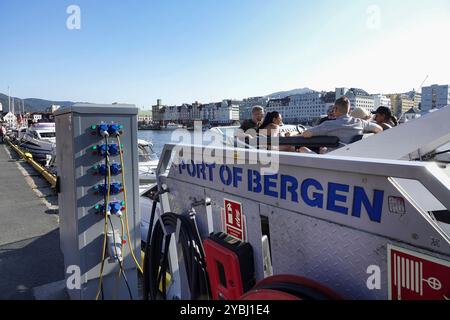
{"type": "Point", "coordinates": [284, 94]}
{"type": "Point", "coordinates": [32, 104]}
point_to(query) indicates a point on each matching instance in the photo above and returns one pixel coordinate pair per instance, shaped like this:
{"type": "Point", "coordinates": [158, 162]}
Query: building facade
{"type": "Point", "coordinates": [308, 106]}
{"type": "Point", "coordinates": [171, 114]}
{"type": "Point", "coordinates": [10, 119]}
{"type": "Point", "coordinates": [209, 112]}
{"type": "Point", "coordinates": [184, 112]}
{"type": "Point", "coordinates": [435, 97]}
{"type": "Point", "coordinates": [246, 106]}
{"type": "Point", "coordinates": [400, 103]}
{"type": "Point", "coordinates": [410, 115]}
{"type": "Point", "coordinates": [416, 97]}
{"type": "Point", "coordinates": [144, 116]}
{"type": "Point", "coordinates": [279, 105]}
{"type": "Point", "coordinates": [196, 111]}
{"type": "Point", "coordinates": [227, 113]}
{"type": "Point", "coordinates": [36, 117]}
{"type": "Point", "coordinates": [380, 100]}
{"type": "Point", "coordinates": [358, 98]}
{"type": "Point", "coordinates": [158, 111]}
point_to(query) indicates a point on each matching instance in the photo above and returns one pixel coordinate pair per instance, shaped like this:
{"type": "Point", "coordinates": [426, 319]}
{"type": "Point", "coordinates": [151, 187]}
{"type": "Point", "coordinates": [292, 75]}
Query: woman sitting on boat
{"type": "Point", "coordinates": [271, 129]}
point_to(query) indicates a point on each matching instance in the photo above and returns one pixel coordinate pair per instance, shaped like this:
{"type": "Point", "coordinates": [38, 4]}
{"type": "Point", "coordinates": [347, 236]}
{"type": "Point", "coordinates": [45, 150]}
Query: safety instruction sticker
{"type": "Point", "coordinates": [233, 220]}
{"type": "Point", "coordinates": [415, 276]}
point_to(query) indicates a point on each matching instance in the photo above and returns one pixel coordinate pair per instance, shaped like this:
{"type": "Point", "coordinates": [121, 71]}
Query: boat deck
{"type": "Point", "coordinates": [30, 256]}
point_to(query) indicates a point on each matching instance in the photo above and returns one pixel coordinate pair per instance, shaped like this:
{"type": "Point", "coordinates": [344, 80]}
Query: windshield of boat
{"type": "Point", "coordinates": [146, 153]}
{"type": "Point", "coordinates": [48, 134]}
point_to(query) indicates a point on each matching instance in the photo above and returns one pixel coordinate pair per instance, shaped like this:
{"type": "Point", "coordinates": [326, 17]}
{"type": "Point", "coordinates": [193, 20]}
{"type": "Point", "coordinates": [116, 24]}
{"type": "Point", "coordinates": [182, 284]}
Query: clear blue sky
{"type": "Point", "coordinates": [207, 50]}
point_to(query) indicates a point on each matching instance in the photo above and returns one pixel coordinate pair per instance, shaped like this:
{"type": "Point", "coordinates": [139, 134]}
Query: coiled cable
{"type": "Point", "coordinates": [156, 263]}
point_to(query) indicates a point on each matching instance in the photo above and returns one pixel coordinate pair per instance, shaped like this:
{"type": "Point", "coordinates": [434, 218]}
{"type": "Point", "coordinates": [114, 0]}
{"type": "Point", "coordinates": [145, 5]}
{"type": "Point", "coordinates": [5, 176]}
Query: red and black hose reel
{"type": "Point", "coordinates": [290, 287]}
{"type": "Point", "coordinates": [231, 274]}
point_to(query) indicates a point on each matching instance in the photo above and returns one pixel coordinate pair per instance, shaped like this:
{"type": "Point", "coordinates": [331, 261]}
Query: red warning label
{"type": "Point", "coordinates": [414, 276]}
{"type": "Point", "coordinates": [234, 220]}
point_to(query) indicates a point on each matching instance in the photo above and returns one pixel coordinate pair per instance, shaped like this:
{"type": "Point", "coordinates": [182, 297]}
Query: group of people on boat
{"type": "Point", "coordinates": [339, 122]}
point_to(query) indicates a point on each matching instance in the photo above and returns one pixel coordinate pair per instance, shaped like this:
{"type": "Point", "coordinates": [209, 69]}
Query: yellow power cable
{"type": "Point", "coordinates": [126, 205]}
{"type": "Point", "coordinates": [100, 283]}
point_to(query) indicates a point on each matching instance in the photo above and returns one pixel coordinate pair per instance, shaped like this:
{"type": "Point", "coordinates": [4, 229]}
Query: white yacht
{"type": "Point", "coordinates": [39, 140]}
{"type": "Point", "coordinates": [148, 161]}
{"type": "Point", "coordinates": [173, 126]}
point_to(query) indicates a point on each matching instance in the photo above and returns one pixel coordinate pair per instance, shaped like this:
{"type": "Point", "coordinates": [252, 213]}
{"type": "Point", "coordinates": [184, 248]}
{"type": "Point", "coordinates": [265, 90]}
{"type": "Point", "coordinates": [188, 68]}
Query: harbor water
{"type": "Point", "coordinates": [161, 137]}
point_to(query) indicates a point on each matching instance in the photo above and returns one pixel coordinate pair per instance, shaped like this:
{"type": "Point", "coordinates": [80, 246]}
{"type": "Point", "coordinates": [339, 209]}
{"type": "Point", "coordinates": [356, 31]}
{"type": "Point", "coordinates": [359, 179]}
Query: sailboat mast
{"type": "Point", "coordinates": [9, 99]}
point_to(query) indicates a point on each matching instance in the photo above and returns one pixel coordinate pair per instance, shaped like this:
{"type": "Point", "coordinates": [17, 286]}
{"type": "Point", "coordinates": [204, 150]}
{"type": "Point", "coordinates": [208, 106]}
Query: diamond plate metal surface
{"type": "Point", "coordinates": [331, 254]}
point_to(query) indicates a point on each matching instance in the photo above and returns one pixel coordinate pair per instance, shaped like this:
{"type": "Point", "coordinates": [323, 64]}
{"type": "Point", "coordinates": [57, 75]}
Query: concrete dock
{"type": "Point", "coordinates": [30, 256]}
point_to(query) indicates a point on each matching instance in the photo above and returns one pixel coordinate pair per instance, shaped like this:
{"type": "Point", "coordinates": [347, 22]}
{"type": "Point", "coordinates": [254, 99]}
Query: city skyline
{"type": "Point", "coordinates": [185, 51]}
{"type": "Point", "coordinates": [148, 107]}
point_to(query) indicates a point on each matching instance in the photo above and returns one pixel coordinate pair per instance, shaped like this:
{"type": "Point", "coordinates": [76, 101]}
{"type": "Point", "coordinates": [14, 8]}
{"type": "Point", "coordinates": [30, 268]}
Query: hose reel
{"type": "Point", "coordinates": [290, 287]}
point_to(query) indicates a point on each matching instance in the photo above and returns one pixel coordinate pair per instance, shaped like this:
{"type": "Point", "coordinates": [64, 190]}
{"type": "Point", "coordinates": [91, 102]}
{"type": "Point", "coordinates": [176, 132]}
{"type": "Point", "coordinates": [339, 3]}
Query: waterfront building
{"type": "Point", "coordinates": [435, 97]}
{"type": "Point", "coordinates": [145, 116]}
{"type": "Point", "coordinates": [183, 114]}
{"type": "Point", "coordinates": [279, 105]}
{"type": "Point", "coordinates": [246, 106]}
{"type": "Point", "coordinates": [37, 117]}
{"type": "Point", "coordinates": [228, 112]}
{"type": "Point", "coordinates": [400, 103]}
{"type": "Point", "coordinates": [209, 112]}
{"type": "Point", "coordinates": [416, 97]}
{"type": "Point", "coordinates": [171, 114]}
{"type": "Point", "coordinates": [158, 111]}
{"type": "Point", "coordinates": [195, 112]}
{"type": "Point", "coordinates": [380, 100]}
{"type": "Point", "coordinates": [410, 115]}
{"type": "Point", "coordinates": [10, 119]}
{"type": "Point", "coordinates": [359, 98]}
{"type": "Point", "coordinates": [307, 107]}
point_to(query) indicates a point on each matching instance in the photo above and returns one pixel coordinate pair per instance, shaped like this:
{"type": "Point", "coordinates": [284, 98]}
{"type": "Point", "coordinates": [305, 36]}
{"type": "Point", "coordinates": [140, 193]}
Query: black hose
{"type": "Point", "coordinates": [147, 251]}
{"type": "Point", "coordinates": [110, 221]}
{"type": "Point", "coordinates": [120, 262]}
{"type": "Point", "coordinates": [157, 262]}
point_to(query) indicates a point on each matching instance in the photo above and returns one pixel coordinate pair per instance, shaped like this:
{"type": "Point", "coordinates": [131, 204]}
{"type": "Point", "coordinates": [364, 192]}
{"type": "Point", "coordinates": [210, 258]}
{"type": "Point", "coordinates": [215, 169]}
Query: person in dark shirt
{"type": "Point", "coordinates": [330, 116]}
{"type": "Point", "coordinates": [250, 127]}
{"type": "Point", "coordinates": [2, 133]}
{"type": "Point", "coordinates": [384, 118]}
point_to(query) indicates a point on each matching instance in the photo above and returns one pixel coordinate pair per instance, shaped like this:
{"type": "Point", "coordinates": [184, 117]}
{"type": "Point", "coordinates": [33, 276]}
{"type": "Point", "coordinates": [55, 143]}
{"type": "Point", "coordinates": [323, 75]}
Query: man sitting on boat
{"type": "Point", "coordinates": [345, 127]}
{"type": "Point", "coordinates": [330, 116]}
{"type": "Point", "coordinates": [249, 128]}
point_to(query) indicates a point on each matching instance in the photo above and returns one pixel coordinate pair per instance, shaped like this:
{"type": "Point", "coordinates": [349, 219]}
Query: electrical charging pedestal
{"type": "Point", "coordinates": [90, 141]}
